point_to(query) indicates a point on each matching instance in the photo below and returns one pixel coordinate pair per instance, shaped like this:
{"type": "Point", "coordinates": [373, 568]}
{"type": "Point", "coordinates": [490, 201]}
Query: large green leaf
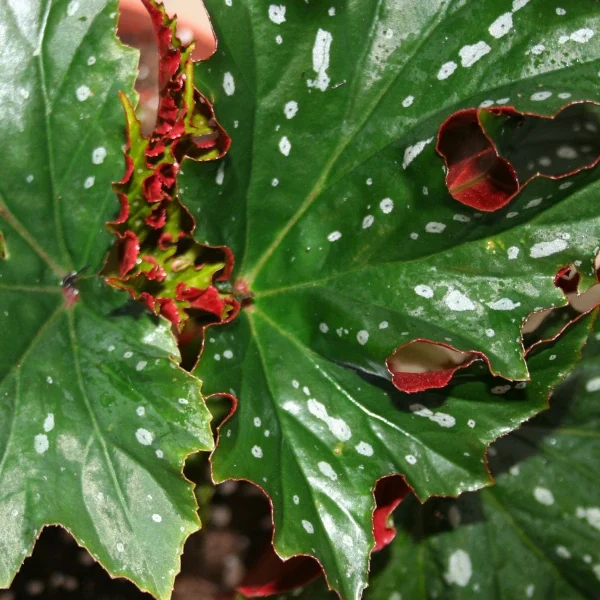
{"type": "Point", "coordinates": [334, 202]}
{"type": "Point", "coordinates": [96, 418]}
{"type": "Point", "coordinates": [319, 454]}
{"type": "Point", "coordinates": [535, 534]}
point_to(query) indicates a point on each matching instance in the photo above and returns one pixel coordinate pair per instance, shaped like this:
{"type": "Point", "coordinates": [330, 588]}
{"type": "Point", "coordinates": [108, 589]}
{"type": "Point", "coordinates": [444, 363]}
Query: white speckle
{"type": "Point", "coordinates": [543, 496]}
{"type": "Point", "coordinates": [593, 385]}
{"type": "Point", "coordinates": [500, 389]}
{"type": "Point", "coordinates": [327, 470]}
{"type": "Point", "coordinates": [275, 182]}
{"type": "Point", "coordinates": [267, 433]}
{"type": "Point", "coordinates": [141, 411]}
{"type": "Point", "coordinates": [503, 101]}
{"type": "Point", "coordinates": [368, 221]}
{"type": "Point", "coordinates": [296, 500]}
{"type": "Point", "coordinates": [144, 437]}
{"type": "Point", "coordinates": [486, 103]}
{"type": "Point", "coordinates": [461, 218]}
{"type": "Point", "coordinates": [504, 304]}
{"type": "Point", "coordinates": [511, 215]}
{"type": "Point", "coordinates": [582, 36]}
{"type": "Point", "coordinates": [369, 181]}
{"type": "Point", "coordinates": [290, 109]}
{"type": "Point", "coordinates": [228, 354]}
{"type": "Point", "coordinates": [364, 449]}
{"type": "Point", "coordinates": [156, 518]}
{"type": "Point", "coordinates": [320, 59]}
{"type": "Point", "coordinates": [490, 333]}
{"type": "Point", "coordinates": [459, 567]}
{"type": "Point", "coordinates": [561, 12]}
{"type": "Point", "coordinates": [414, 236]}
{"type": "Point", "coordinates": [49, 379]}
{"type": "Point", "coordinates": [29, 178]}
{"type": "Point", "coordinates": [334, 236]}
{"type": "Point", "coordinates": [512, 252]}
{"type": "Point", "coordinates": [413, 151]}
{"type": "Point", "coordinates": [456, 300]}
{"type": "Point", "coordinates": [183, 401]}
{"type": "Point", "coordinates": [72, 8]}
{"type": "Point", "coordinates": [159, 454]}
{"type": "Point", "coordinates": [363, 337]}
{"type": "Point", "coordinates": [446, 70]}
{"type": "Point", "coordinates": [338, 427]}
{"type": "Point", "coordinates": [410, 459]}
{"type": "Point", "coordinates": [386, 206]}
{"type": "Point", "coordinates": [529, 590]}
{"type": "Point", "coordinates": [408, 101]}
{"type": "Point", "coordinates": [539, 96]}
{"type": "Point", "coordinates": [501, 26]}
{"type": "Point", "coordinates": [49, 422]}
{"type": "Point", "coordinates": [257, 422]}
{"type": "Point", "coordinates": [331, 11]}
{"type": "Point", "coordinates": [220, 177]}
{"type": "Point", "coordinates": [40, 443]}
{"type": "Point", "coordinates": [563, 39]}
{"type": "Point", "coordinates": [277, 13]}
{"type": "Point", "coordinates": [83, 92]}
{"type": "Point", "coordinates": [324, 327]}
{"type": "Point", "coordinates": [514, 470]}
{"type": "Point", "coordinates": [563, 552]}
{"type": "Point", "coordinates": [306, 390]}
{"type": "Point", "coordinates": [111, 348]}
{"type": "Point", "coordinates": [564, 95]}
{"type": "Point", "coordinates": [383, 325]}
{"type": "Point", "coordinates": [469, 55]}
{"type": "Point", "coordinates": [567, 152]}
{"type": "Point", "coordinates": [519, 4]}
{"type": "Point", "coordinates": [537, 49]}
{"type": "Point", "coordinates": [543, 249]}
{"type": "Point", "coordinates": [295, 384]}
{"type": "Point", "coordinates": [285, 146]}
{"type": "Point", "coordinates": [141, 365]}
{"type": "Point", "coordinates": [596, 569]}
{"type": "Point", "coordinates": [91, 61]}
{"type": "Point", "coordinates": [434, 227]}
{"type": "Point", "coordinates": [308, 526]}
{"type": "Point", "coordinates": [424, 290]}
{"type": "Point", "coordinates": [278, 39]}
{"type": "Point", "coordinates": [128, 354]}
{"type": "Point", "coordinates": [120, 547]}
{"type": "Point", "coordinates": [533, 203]}
{"type": "Point", "coordinates": [565, 185]}
{"type": "Point", "coordinates": [257, 452]}
{"type": "Point", "coordinates": [591, 514]}
{"type": "Point", "coordinates": [98, 155]}
{"type": "Point", "coordinates": [471, 423]}
{"type": "Point", "coordinates": [228, 84]}
{"type": "Point", "coordinates": [89, 182]}
{"type": "Point", "coordinates": [442, 419]}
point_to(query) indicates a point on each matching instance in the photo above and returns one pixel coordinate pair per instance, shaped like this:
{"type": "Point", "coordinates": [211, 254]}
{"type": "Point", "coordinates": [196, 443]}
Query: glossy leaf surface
{"type": "Point", "coordinates": [534, 534]}
{"type": "Point", "coordinates": [96, 418]}
{"type": "Point", "coordinates": [334, 203]}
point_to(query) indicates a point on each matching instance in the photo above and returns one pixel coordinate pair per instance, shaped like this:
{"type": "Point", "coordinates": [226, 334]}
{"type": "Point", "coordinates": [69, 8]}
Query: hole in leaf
{"type": "Point", "coordinates": [491, 154]}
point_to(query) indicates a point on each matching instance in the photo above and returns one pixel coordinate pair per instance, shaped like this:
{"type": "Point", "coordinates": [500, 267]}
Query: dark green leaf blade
{"type": "Point", "coordinates": [318, 450]}
{"type": "Point", "coordinates": [96, 418]}
{"type": "Point", "coordinates": [534, 534]}
{"type": "Point", "coordinates": [346, 236]}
